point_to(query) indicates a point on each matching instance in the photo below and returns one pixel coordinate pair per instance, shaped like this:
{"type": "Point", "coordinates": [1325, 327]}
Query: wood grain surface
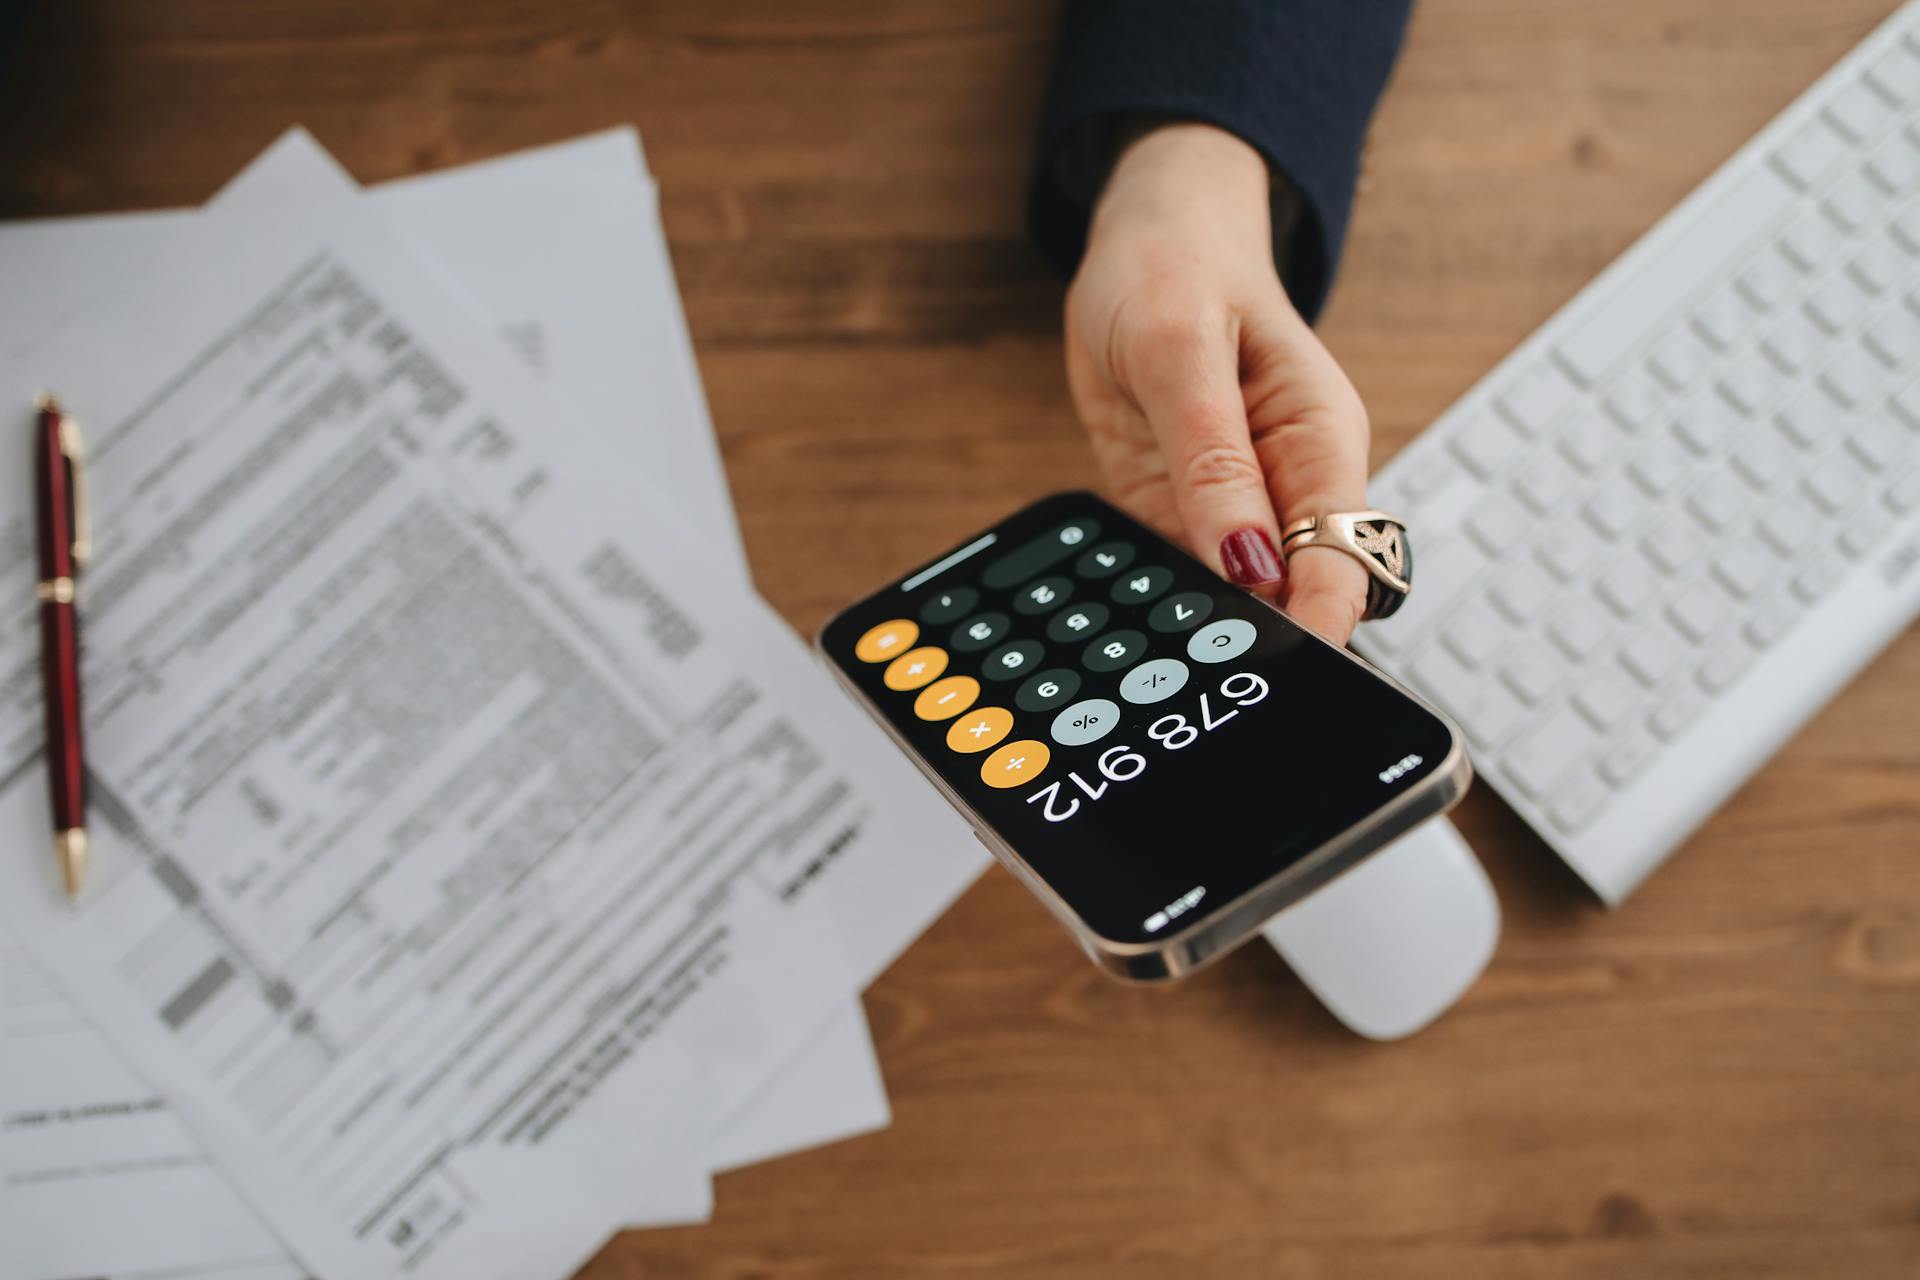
{"type": "Point", "coordinates": [1720, 1079]}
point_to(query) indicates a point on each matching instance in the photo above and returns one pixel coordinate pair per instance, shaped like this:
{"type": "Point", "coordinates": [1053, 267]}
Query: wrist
{"type": "Point", "coordinates": [1182, 167]}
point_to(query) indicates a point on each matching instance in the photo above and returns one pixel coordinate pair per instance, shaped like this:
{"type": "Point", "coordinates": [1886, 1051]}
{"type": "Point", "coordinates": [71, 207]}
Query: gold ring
{"type": "Point", "coordinates": [1374, 538]}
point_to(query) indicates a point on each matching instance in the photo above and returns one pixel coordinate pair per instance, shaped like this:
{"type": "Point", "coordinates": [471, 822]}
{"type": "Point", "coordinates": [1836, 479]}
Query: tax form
{"type": "Point", "coordinates": [171, 786]}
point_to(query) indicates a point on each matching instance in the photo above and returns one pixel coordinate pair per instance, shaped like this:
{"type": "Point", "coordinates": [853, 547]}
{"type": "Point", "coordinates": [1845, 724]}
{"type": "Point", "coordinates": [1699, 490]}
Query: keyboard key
{"type": "Point", "coordinates": [1623, 760]}
{"type": "Point", "coordinates": [1567, 549]}
{"type": "Point", "coordinates": [1723, 670]}
{"type": "Point", "coordinates": [1653, 654]}
{"type": "Point", "coordinates": [1906, 228]}
{"type": "Point", "coordinates": [1773, 618]}
{"type": "Point", "coordinates": [1762, 459]}
{"type": "Point", "coordinates": [1717, 502]}
{"type": "Point", "coordinates": [1742, 568]}
{"type": "Point", "coordinates": [1751, 386]}
{"type": "Point", "coordinates": [1678, 709]}
{"type": "Point", "coordinates": [1850, 378]}
{"type": "Point", "coordinates": [1615, 507]}
{"type": "Point", "coordinates": [1880, 441]}
{"type": "Point", "coordinates": [1694, 252]}
{"type": "Point", "coordinates": [1864, 532]}
{"type": "Point", "coordinates": [1835, 484]}
{"type": "Point", "coordinates": [1906, 403]}
{"type": "Point", "coordinates": [1579, 629]}
{"type": "Point", "coordinates": [1667, 545]}
{"type": "Point", "coordinates": [1543, 482]}
{"type": "Point", "coordinates": [1521, 590]}
{"type": "Point", "coordinates": [1606, 697]}
{"type": "Point", "coordinates": [1537, 398]}
{"type": "Point", "coordinates": [1577, 802]}
{"type": "Point", "coordinates": [1698, 611]}
{"type": "Point", "coordinates": [1851, 202]}
{"type": "Point", "coordinates": [1541, 756]}
{"type": "Point", "coordinates": [1679, 359]}
{"type": "Point", "coordinates": [1789, 526]}
{"type": "Point", "coordinates": [1857, 111]}
{"type": "Point", "coordinates": [1895, 166]}
{"type": "Point", "coordinates": [1722, 319]}
{"type": "Point", "coordinates": [1705, 423]}
{"type": "Point", "coordinates": [1904, 496]}
{"type": "Point", "coordinates": [1497, 525]}
{"type": "Point", "coordinates": [1486, 709]}
{"type": "Point", "coordinates": [1486, 446]}
{"type": "Point", "coordinates": [1586, 441]}
{"type": "Point", "coordinates": [1812, 242]}
{"type": "Point", "coordinates": [1636, 401]}
{"type": "Point", "coordinates": [1878, 267]}
{"type": "Point", "coordinates": [1894, 336]}
{"type": "Point", "coordinates": [1896, 73]}
{"type": "Point", "coordinates": [1765, 281]}
{"type": "Point", "coordinates": [1813, 150]}
{"type": "Point", "coordinates": [1820, 576]}
{"type": "Point", "coordinates": [1428, 476]}
{"type": "Point", "coordinates": [1793, 342]}
{"type": "Point", "coordinates": [1834, 304]}
{"type": "Point", "coordinates": [1625, 586]}
{"type": "Point", "coordinates": [1807, 420]}
{"type": "Point", "coordinates": [1533, 672]}
{"type": "Point", "coordinates": [1658, 468]}
{"type": "Point", "coordinates": [1475, 635]}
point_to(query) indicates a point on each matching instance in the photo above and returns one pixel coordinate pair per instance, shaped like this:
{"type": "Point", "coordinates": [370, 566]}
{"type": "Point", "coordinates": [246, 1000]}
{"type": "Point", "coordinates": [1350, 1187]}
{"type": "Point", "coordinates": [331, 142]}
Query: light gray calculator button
{"type": "Point", "coordinates": [1086, 721]}
{"type": "Point", "coordinates": [1221, 641]}
{"type": "Point", "coordinates": [1153, 681]}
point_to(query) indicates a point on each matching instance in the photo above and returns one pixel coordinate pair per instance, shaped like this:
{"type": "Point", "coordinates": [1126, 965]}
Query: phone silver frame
{"type": "Point", "coordinates": [1224, 928]}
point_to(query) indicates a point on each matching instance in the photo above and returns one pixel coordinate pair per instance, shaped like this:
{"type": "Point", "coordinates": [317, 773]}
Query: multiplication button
{"type": "Point", "coordinates": [1039, 597]}
{"type": "Point", "coordinates": [1085, 722]}
{"type": "Point", "coordinates": [1047, 690]}
{"type": "Point", "coordinates": [980, 730]}
{"type": "Point", "coordinates": [1015, 764]}
{"type": "Point", "coordinates": [1154, 681]}
{"type": "Point", "coordinates": [1221, 641]}
{"type": "Point", "coordinates": [1142, 585]}
{"type": "Point", "coordinates": [1114, 650]}
{"type": "Point", "coordinates": [914, 668]}
{"type": "Point", "coordinates": [1010, 660]}
{"type": "Point", "coordinates": [1104, 560]}
{"type": "Point", "coordinates": [1182, 612]}
{"type": "Point", "coordinates": [887, 641]}
{"type": "Point", "coordinates": [1078, 623]}
{"type": "Point", "coordinates": [976, 634]}
{"type": "Point", "coordinates": [949, 605]}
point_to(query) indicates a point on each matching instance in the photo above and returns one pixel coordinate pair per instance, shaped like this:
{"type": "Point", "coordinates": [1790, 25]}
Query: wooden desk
{"type": "Point", "coordinates": [1721, 1079]}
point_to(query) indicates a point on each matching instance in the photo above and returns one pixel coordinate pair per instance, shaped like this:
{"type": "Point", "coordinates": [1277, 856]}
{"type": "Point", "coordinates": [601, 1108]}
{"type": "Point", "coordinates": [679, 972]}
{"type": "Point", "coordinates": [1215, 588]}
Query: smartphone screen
{"type": "Point", "coordinates": [1151, 741]}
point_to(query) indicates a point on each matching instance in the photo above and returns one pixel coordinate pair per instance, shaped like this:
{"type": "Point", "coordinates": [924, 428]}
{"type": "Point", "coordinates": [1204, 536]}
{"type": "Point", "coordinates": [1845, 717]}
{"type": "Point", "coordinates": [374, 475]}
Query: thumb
{"type": "Point", "coordinates": [1186, 380]}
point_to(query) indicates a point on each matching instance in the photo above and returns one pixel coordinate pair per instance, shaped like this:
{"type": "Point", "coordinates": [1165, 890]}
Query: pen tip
{"type": "Point", "coordinates": [70, 848]}
{"type": "Point", "coordinates": [44, 401]}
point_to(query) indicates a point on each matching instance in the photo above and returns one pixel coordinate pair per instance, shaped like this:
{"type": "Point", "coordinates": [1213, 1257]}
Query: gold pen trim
{"type": "Point", "coordinates": [55, 591]}
{"type": "Point", "coordinates": [71, 446]}
{"type": "Point", "coordinates": [70, 848]}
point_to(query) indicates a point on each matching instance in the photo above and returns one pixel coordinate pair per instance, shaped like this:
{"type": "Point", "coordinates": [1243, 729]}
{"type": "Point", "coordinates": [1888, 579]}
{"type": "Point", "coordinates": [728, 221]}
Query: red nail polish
{"type": "Point", "coordinates": [1249, 558]}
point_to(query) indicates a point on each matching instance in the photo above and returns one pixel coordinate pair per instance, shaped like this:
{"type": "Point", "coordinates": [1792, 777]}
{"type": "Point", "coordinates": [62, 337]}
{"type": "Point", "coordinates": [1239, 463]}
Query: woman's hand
{"type": "Point", "coordinates": [1214, 411]}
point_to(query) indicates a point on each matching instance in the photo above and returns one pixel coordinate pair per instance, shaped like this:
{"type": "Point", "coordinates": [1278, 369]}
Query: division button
{"type": "Point", "coordinates": [949, 605]}
{"type": "Point", "coordinates": [1077, 623]}
{"type": "Point", "coordinates": [1182, 612]}
{"type": "Point", "coordinates": [944, 699]}
{"type": "Point", "coordinates": [1011, 660]}
{"type": "Point", "coordinates": [915, 667]}
{"type": "Point", "coordinates": [1221, 641]}
{"type": "Point", "coordinates": [1085, 722]}
{"type": "Point", "coordinates": [1114, 650]}
{"type": "Point", "coordinates": [976, 634]}
{"type": "Point", "coordinates": [1153, 681]}
{"type": "Point", "coordinates": [1047, 690]}
{"type": "Point", "coordinates": [1015, 764]}
{"type": "Point", "coordinates": [980, 730]}
{"type": "Point", "coordinates": [1042, 596]}
{"type": "Point", "coordinates": [887, 641]}
{"type": "Point", "coordinates": [1141, 585]}
{"type": "Point", "coordinates": [1104, 560]}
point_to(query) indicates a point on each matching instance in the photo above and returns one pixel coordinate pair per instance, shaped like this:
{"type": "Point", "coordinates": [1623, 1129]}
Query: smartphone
{"type": "Point", "coordinates": [1165, 759]}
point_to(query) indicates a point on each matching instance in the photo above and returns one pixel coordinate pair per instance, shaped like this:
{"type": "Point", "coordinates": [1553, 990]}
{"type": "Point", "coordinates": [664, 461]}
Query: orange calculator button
{"type": "Point", "coordinates": [887, 641]}
{"type": "Point", "coordinates": [980, 729]}
{"type": "Point", "coordinates": [945, 699]}
{"type": "Point", "coordinates": [915, 667]}
{"type": "Point", "coordinates": [1015, 764]}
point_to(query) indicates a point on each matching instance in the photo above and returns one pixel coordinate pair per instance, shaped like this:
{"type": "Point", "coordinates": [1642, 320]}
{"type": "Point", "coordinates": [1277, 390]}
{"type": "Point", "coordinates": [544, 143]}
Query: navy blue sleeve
{"type": "Point", "coordinates": [1298, 79]}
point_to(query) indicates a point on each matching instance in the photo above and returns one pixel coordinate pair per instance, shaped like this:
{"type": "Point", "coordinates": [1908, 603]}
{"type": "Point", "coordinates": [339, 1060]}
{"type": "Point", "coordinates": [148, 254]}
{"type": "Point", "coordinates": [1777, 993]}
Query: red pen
{"type": "Point", "coordinates": [60, 486]}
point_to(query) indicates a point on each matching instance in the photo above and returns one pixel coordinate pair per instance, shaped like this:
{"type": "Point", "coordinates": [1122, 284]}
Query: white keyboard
{"type": "Point", "coordinates": [1671, 525]}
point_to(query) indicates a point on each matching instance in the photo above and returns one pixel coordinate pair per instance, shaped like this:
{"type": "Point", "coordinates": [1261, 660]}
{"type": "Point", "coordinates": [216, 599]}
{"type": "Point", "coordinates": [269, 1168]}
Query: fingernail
{"type": "Point", "coordinates": [1249, 558]}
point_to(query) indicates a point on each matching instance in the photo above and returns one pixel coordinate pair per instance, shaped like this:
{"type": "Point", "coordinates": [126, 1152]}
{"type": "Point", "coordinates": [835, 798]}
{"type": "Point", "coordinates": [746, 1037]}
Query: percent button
{"type": "Point", "coordinates": [1154, 681]}
{"type": "Point", "coordinates": [1086, 721]}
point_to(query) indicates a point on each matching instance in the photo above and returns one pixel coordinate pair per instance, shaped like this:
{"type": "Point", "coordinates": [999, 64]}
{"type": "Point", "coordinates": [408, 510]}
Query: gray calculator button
{"type": "Point", "coordinates": [1043, 596]}
{"type": "Point", "coordinates": [1012, 660]}
{"type": "Point", "coordinates": [1085, 722]}
{"type": "Point", "coordinates": [1153, 681]}
{"type": "Point", "coordinates": [1114, 650]}
{"type": "Point", "coordinates": [1221, 641]}
{"type": "Point", "coordinates": [1137, 586]}
{"type": "Point", "coordinates": [976, 634]}
{"type": "Point", "coordinates": [948, 605]}
{"type": "Point", "coordinates": [1077, 623]}
{"type": "Point", "coordinates": [1045, 551]}
{"type": "Point", "coordinates": [1104, 560]}
{"type": "Point", "coordinates": [1049, 689]}
{"type": "Point", "coordinates": [1182, 612]}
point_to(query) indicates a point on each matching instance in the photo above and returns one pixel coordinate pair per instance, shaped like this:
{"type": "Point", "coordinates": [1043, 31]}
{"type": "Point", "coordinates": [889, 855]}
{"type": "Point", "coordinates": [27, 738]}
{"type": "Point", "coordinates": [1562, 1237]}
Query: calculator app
{"type": "Point", "coordinates": [1149, 739]}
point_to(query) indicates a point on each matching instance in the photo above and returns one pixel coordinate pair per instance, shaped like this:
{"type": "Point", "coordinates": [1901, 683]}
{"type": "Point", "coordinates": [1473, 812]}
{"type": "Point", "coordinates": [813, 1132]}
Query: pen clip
{"type": "Point", "coordinates": [76, 456]}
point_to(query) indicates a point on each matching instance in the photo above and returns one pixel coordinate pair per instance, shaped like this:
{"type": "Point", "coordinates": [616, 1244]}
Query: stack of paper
{"type": "Point", "coordinates": [479, 864]}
